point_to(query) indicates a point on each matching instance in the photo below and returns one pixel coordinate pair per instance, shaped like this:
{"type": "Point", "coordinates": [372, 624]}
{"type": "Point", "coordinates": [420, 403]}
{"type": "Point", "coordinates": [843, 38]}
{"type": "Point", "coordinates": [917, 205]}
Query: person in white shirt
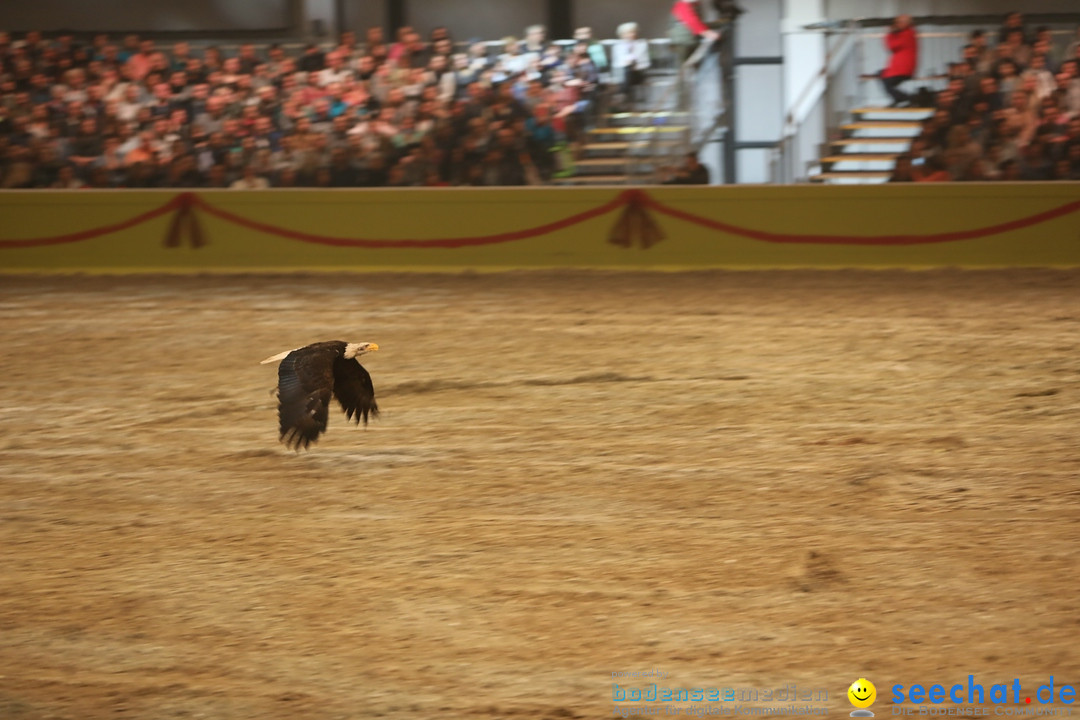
{"type": "Point", "coordinates": [128, 107]}
{"type": "Point", "coordinates": [1070, 84]}
{"type": "Point", "coordinates": [630, 59]}
{"type": "Point", "coordinates": [1073, 49]}
{"type": "Point", "coordinates": [250, 180]}
{"type": "Point", "coordinates": [535, 39]}
{"type": "Point", "coordinates": [336, 70]}
{"type": "Point", "coordinates": [514, 60]}
{"type": "Point", "coordinates": [1045, 82]}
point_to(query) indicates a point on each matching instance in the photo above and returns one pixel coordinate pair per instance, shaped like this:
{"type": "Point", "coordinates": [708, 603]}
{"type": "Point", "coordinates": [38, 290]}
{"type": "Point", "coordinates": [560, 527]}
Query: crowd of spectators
{"type": "Point", "coordinates": [411, 112]}
{"type": "Point", "coordinates": [1010, 111]}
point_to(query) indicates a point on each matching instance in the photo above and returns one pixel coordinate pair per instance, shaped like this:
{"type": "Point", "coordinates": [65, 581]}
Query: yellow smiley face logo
{"type": "Point", "coordinates": [862, 693]}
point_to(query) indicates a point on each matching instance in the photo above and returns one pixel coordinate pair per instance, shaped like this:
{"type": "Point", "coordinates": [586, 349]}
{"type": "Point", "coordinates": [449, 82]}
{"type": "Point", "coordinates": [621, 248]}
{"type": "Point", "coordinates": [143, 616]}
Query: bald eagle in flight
{"type": "Point", "coordinates": [308, 376]}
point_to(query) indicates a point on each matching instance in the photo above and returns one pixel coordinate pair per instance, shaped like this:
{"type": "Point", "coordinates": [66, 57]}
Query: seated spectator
{"type": "Point", "coordinates": [987, 94]}
{"type": "Point", "coordinates": [1034, 163]}
{"type": "Point", "coordinates": [345, 115]}
{"type": "Point", "coordinates": [542, 140]}
{"type": "Point", "coordinates": [629, 59]}
{"type": "Point", "coordinates": [976, 171]}
{"type": "Point", "coordinates": [595, 50]}
{"type": "Point", "coordinates": [513, 60]}
{"type": "Point", "coordinates": [138, 63]}
{"type": "Point", "coordinates": [250, 181]}
{"type": "Point", "coordinates": [902, 171]}
{"type": "Point", "coordinates": [1061, 171]}
{"type": "Point", "coordinates": [1068, 83]}
{"type": "Point", "coordinates": [248, 59]}
{"type": "Point", "coordinates": [1072, 50]}
{"type": "Point", "coordinates": [1072, 156]}
{"type": "Point", "coordinates": [1041, 79]}
{"type": "Point", "coordinates": [145, 152]}
{"type": "Point", "coordinates": [336, 70]}
{"type": "Point", "coordinates": [992, 163]}
{"type": "Point", "coordinates": [1007, 74]}
{"type": "Point", "coordinates": [1008, 140]}
{"type": "Point", "coordinates": [1019, 49]}
{"type": "Point", "coordinates": [570, 102]}
{"type": "Point", "coordinates": [67, 179]}
{"type": "Point", "coordinates": [312, 61]}
{"type": "Point", "coordinates": [415, 52]}
{"type": "Point", "coordinates": [934, 170]}
{"type": "Point", "coordinates": [535, 40]}
{"type": "Point", "coordinates": [112, 162]}
{"type": "Point", "coordinates": [398, 48]}
{"type": "Point", "coordinates": [982, 58]}
{"type": "Point", "coordinates": [85, 147]}
{"type": "Point", "coordinates": [1013, 21]}
{"type": "Point", "coordinates": [181, 172]}
{"type": "Point", "coordinates": [1044, 45]}
{"type": "Point", "coordinates": [1020, 115]}
{"type": "Point", "coordinates": [1072, 134]}
{"type": "Point", "coordinates": [960, 151]}
{"type": "Point", "coordinates": [18, 169]}
{"type": "Point", "coordinates": [1010, 171]}
{"type": "Point", "coordinates": [692, 172]}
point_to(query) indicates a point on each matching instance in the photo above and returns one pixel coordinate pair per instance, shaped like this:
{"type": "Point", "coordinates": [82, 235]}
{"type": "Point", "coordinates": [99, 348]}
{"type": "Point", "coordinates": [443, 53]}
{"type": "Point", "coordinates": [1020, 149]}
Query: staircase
{"type": "Point", "coordinates": [623, 148]}
{"type": "Point", "coordinates": [628, 148]}
{"type": "Point", "coordinates": [868, 146]}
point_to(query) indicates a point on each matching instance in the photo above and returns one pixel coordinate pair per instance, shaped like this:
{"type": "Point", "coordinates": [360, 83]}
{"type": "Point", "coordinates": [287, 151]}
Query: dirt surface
{"type": "Point", "coordinates": [739, 479]}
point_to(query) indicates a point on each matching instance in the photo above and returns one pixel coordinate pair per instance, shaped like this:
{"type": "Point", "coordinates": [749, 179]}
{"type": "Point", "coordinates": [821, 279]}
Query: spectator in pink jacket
{"type": "Point", "coordinates": [903, 45]}
{"type": "Point", "coordinates": [688, 27]}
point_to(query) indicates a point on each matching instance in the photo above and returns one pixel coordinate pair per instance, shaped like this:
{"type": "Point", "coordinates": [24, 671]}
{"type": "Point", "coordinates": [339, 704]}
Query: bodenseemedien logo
{"type": "Point", "coordinates": [862, 695]}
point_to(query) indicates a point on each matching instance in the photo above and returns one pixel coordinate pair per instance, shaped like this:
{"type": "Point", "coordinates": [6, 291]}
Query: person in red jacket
{"type": "Point", "coordinates": [688, 27]}
{"type": "Point", "coordinates": [903, 43]}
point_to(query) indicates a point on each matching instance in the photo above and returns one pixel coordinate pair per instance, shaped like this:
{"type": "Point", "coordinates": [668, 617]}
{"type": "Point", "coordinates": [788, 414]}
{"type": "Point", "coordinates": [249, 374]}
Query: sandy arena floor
{"type": "Point", "coordinates": [741, 479]}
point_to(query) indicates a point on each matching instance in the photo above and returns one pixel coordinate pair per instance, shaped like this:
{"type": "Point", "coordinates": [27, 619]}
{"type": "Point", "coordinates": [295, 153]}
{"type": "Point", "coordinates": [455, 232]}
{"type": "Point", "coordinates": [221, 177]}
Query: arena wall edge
{"type": "Point", "coordinates": [459, 229]}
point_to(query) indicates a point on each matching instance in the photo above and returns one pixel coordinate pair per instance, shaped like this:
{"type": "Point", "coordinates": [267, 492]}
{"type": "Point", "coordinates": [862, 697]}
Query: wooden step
{"type": "Point", "coordinates": [600, 162]}
{"type": "Point", "coordinates": [898, 111]}
{"type": "Point", "coordinates": [614, 151]}
{"type": "Point", "coordinates": [851, 175]}
{"type": "Point", "coordinates": [882, 125]}
{"type": "Point", "coordinates": [647, 115]}
{"type": "Point", "coordinates": [861, 157]}
{"type": "Point", "coordinates": [638, 148]}
{"type": "Point", "coordinates": [608, 146]}
{"type": "Point", "coordinates": [873, 141]}
{"type": "Point", "coordinates": [613, 166]}
{"type": "Point", "coordinates": [638, 130]}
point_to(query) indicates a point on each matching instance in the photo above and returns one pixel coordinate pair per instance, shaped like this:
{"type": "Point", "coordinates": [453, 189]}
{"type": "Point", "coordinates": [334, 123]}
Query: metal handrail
{"type": "Point", "coordinates": [832, 58]}
{"type": "Point", "coordinates": [848, 29]}
{"type": "Point", "coordinates": [679, 87]}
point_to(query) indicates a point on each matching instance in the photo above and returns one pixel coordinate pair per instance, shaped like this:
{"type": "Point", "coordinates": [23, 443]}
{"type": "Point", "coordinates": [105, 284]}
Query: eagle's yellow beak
{"type": "Point", "coordinates": [372, 347]}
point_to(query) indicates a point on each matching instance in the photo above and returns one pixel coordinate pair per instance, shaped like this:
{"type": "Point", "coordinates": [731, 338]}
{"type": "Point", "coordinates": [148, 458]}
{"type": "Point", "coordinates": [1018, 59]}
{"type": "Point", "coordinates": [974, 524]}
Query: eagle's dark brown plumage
{"type": "Point", "coordinates": [308, 376]}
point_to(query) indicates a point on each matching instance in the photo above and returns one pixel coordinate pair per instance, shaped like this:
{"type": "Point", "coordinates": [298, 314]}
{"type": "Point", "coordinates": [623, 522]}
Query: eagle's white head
{"type": "Point", "coordinates": [355, 350]}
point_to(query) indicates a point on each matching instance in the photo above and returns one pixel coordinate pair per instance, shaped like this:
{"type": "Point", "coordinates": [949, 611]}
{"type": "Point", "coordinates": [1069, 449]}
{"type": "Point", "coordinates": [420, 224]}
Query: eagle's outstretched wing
{"type": "Point", "coordinates": [353, 389]}
{"type": "Point", "coordinates": [305, 383]}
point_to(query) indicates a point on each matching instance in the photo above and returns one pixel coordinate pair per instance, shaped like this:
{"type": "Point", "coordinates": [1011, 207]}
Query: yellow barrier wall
{"type": "Point", "coordinates": [1031, 224]}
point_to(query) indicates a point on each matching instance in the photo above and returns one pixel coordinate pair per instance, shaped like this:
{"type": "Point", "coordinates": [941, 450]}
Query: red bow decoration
{"type": "Point", "coordinates": [636, 224]}
{"type": "Point", "coordinates": [185, 204]}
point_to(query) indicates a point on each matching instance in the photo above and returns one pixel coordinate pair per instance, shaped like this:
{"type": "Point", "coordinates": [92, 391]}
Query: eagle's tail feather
{"type": "Point", "coordinates": [275, 358]}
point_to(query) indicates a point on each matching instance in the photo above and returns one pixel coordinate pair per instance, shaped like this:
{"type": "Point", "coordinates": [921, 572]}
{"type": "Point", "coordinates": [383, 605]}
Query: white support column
{"type": "Point", "coordinates": [804, 51]}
